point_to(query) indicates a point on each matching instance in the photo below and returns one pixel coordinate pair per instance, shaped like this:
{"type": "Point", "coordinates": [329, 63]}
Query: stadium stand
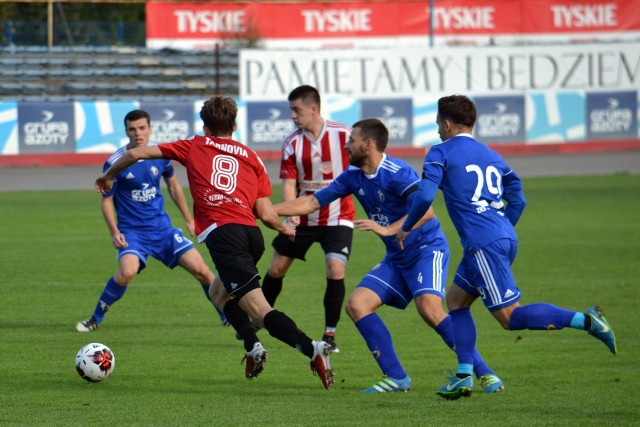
{"type": "Point", "coordinates": [115, 73]}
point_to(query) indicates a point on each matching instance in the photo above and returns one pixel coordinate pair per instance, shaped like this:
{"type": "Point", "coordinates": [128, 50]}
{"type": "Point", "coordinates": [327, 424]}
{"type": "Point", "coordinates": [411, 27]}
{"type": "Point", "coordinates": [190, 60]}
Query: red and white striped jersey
{"type": "Point", "coordinates": [314, 164]}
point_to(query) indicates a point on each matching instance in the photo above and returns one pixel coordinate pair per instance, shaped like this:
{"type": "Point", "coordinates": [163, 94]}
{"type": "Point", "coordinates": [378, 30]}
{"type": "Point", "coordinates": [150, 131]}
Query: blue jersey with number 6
{"type": "Point", "coordinates": [474, 180]}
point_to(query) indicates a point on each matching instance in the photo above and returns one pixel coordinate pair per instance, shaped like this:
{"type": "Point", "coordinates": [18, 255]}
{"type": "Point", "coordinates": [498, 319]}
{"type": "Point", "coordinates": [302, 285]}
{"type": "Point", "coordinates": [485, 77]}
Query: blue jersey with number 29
{"type": "Point", "coordinates": [474, 180]}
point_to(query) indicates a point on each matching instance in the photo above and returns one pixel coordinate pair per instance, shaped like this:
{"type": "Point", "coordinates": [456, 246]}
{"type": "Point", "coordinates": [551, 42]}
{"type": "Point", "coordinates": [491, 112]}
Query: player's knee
{"type": "Point", "coordinates": [123, 278]}
{"type": "Point", "coordinates": [356, 310]}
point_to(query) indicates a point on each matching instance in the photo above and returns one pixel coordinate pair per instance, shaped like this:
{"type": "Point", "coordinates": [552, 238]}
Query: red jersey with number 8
{"type": "Point", "coordinates": [225, 179]}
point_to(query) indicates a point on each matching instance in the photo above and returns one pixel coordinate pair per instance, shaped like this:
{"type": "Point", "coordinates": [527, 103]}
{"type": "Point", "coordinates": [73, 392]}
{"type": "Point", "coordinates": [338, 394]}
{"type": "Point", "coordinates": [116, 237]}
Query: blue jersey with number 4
{"type": "Point", "coordinates": [138, 201]}
{"type": "Point", "coordinates": [385, 197]}
{"type": "Point", "coordinates": [474, 180]}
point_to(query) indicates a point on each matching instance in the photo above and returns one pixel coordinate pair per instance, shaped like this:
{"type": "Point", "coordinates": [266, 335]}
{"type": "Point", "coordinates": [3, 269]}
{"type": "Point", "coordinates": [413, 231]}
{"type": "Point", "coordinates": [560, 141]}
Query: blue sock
{"type": "Point", "coordinates": [464, 332]}
{"type": "Point", "coordinates": [111, 293]}
{"type": "Point", "coordinates": [541, 316]}
{"type": "Point", "coordinates": [577, 322]}
{"type": "Point", "coordinates": [378, 339]}
{"type": "Point", "coordinates": [445, 330]}
{"type": "Point", "coordinates": [205, 288]}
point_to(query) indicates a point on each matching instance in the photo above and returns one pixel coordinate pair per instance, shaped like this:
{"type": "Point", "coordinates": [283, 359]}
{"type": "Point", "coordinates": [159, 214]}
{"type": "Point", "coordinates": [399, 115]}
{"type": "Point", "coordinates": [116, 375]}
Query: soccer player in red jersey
{"type": "Point", "coordinates": [230, 188]}
{"type": "Point", "coordinates": [312, 157]}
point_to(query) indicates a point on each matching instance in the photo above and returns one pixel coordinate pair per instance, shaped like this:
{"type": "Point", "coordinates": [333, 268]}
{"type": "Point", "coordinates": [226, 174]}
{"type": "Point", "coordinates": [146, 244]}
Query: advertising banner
{"type": "Point", "coordinates": [100, 125]}
{"type": "Point", "coordinates": [499, 119]}
{"type": "Point", "coordinates": [612, 115]}
{"type": "Point", "coordinates": [8, 128]}
{"type": "Point", "coordinates": [170, 121]}
{"type": "Point", "coordinates": [396, 114]}
{"type": "Point", "coordinates": [373, 73]}
{"type": "Point", "coordinates": [46, 127]}
{"type": "Point", "coordinates": [324, 25]}
{"type": "Point", "coordinates": [268, 123]}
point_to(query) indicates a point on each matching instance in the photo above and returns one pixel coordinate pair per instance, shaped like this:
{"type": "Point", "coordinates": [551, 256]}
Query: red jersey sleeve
{"type": "Point", "coordinates": [178, 150]}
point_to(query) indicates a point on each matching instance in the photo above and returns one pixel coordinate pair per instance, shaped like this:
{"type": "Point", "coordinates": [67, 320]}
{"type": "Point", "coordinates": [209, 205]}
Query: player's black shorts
{"type": "Point", "coordinates": [235, 250]}
{"type": "Point", "coordinates": [333, 239]}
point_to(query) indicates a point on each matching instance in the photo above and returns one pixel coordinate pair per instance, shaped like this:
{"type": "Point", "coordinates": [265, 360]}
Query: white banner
{"type": "Point", "coordinates": [410, 72]}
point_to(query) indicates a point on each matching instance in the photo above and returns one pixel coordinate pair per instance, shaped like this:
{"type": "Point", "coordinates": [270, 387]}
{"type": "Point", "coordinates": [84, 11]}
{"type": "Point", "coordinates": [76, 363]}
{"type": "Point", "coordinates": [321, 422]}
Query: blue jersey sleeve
{"type": "Point", "coordinates": [338, 188]}
{"type": "Point", "coordinates": [513, 194]}
{"type": "Point", "coordinates": [421, 200]}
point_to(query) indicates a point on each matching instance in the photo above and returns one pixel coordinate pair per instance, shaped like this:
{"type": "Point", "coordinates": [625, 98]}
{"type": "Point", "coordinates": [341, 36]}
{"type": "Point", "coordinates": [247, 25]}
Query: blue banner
{"type": "Point", "coordinates": [170, 121]}
{"type": "Point", "coordinates": [268, 124]}
{"type": "Point", "coordinates": [499, 119]}
{"type": "Point", "coordinates": [612, 115]}
{"type": "Point", "coordinates": [396, 114]}
{"type": "Point", "coordinates": [46, 127]}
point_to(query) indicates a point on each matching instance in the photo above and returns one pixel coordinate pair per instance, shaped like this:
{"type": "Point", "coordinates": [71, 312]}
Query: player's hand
{"type": "Point", "coordinates": [191, 226]}
{"type": "Point", "coordinates": [119, 241]}
{"type": "Point", "coordinates": [103, 184]}
{"type": "Point", "coordinates": [293, 220]}
{"type": "Point", "coordinates": [400, 238]}
{"type": "Point", "coordinates": [371, 225]}
{"type": "Point", "coordinates": [289, 230]}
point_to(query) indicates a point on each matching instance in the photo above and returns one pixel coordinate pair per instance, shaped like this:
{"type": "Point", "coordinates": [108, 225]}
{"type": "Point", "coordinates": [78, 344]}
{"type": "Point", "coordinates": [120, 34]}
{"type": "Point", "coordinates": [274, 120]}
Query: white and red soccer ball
{"type": "Point", "coordinates": [95, 362]}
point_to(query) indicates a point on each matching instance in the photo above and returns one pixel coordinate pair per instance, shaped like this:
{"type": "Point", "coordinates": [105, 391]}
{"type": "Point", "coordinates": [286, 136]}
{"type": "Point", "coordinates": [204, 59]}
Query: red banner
{"type": "Point", "coordinates": [205, 22]}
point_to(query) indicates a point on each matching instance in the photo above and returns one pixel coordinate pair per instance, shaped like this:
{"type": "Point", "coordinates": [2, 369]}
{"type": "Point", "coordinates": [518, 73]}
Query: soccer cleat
{"type": "Point", "coordinates": [320, 363]}
{"type": "Point", "coordinates": [331, 340]}
{"type": "Point", "coordinates": [600, 328]}
{"type": "Point", "coordinates": [387, 384]}
{"type": "Point", "coordinates": [91, 324]}
{"type": "Point", "coordinates": [491, 383]}
{"type": "Point", "coordinates": [456, 388]}
{"type": "Point", "coordinates": [255, 361]}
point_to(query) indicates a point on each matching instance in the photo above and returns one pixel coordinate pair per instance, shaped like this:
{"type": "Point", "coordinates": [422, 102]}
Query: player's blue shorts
{"type": "Point", "coordinates": [167, 246]}
{"type": "Point", "coordinates": [398, 285]}
{"type": "Point", "coordinates": [487, 274]}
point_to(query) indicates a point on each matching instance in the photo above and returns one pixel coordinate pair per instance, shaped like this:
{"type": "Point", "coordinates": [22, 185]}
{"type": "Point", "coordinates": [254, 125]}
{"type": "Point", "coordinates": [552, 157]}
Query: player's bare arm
{"type": "Point", "coordinates": [109, 214]}
{"type": "Point", "coordinates": [289, 193]}
{"type": "Point", "coordinates": [300, 206]}
{"type": "Point", "coordinates": [105, 181]}
{"type": "Point", "coordinates": [392, 229]}
{"type": "Point", "coordinates": [177, 195]}
{"type": "Point", "coordinates": [266, 213]}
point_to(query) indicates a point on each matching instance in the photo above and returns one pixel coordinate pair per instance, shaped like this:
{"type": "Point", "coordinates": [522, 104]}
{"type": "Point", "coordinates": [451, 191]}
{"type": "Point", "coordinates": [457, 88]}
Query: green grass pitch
{"type": "Point", "coordinates": [176, 366]}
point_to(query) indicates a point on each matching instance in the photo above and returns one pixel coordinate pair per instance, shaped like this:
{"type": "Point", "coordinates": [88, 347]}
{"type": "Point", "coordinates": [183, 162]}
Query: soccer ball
{"type": "Point", "coordinates": [95, 362]}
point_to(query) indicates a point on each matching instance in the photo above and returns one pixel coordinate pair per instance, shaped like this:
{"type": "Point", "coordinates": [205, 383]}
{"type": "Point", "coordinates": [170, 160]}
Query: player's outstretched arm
{"type": "Point", "coordinates": [105, 181]}
{"type": "Point", "coordinates": [301, 206]}
{"type": "Point", "coordinates": [266, 213]}
{"type": "Point", "coordinates": [391, 229]}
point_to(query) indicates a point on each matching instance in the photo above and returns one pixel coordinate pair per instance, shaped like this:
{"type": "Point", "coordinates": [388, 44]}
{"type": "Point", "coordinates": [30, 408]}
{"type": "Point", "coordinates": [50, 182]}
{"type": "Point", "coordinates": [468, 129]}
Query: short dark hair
{"type": "Point", "coordinates": [134, 115]}
{"type": "Point", "coordinates": [306, 93]}
{"type": "Point", "coordinates": [374, 129]}
{"type": "Point", "coordinates": [219, 115]}
{"type": "Point", "coordinates": [458, 109]}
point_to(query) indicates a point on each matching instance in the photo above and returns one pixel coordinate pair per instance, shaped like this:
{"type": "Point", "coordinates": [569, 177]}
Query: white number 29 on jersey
{"type": "Point", "coordinates": [489, 178]}
{"type": "Point", "coordinates": [224, 171]}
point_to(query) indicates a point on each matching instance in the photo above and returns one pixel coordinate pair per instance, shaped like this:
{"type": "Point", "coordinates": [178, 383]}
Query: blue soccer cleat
{"type": "Point", "coordinates": [456, 388]}
{"type": "Point", "coordinates": [491, 383]}
{"type": "Point", "coordinates": [600, 328]}
{"type": "Point", "coordinates": [387, 384]}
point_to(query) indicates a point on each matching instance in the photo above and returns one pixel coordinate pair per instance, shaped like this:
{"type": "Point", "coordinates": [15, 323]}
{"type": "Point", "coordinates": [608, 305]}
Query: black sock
{"type": "Point", "coordinates": [283, 328]}
{"type": "Point", "coordinates": [271, 288]}
{"type": "Point", "coordinates": [333, 299]}
{"type": "Point", "coordinates": [241, 323]}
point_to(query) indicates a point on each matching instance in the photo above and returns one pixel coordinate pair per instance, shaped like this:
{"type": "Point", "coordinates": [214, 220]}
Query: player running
{"type": "Point", "coordinates": [475, 181]}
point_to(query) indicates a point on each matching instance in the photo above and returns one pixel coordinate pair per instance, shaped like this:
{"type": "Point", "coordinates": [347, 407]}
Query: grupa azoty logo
{"type": "Point", "coordinates": [46, 131]}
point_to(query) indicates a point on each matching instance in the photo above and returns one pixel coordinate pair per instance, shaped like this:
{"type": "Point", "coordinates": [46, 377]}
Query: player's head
{"type": "Point", "coordinates": [456, 114]}
{"type": "Point", "coordinates": [304, 103]}
{"type": "Point", "coordinates": [137, 126]}
{"type": "Point", "coordinates": [218, 115]}
{"type": "Point", "coordinates": [367, 136]}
